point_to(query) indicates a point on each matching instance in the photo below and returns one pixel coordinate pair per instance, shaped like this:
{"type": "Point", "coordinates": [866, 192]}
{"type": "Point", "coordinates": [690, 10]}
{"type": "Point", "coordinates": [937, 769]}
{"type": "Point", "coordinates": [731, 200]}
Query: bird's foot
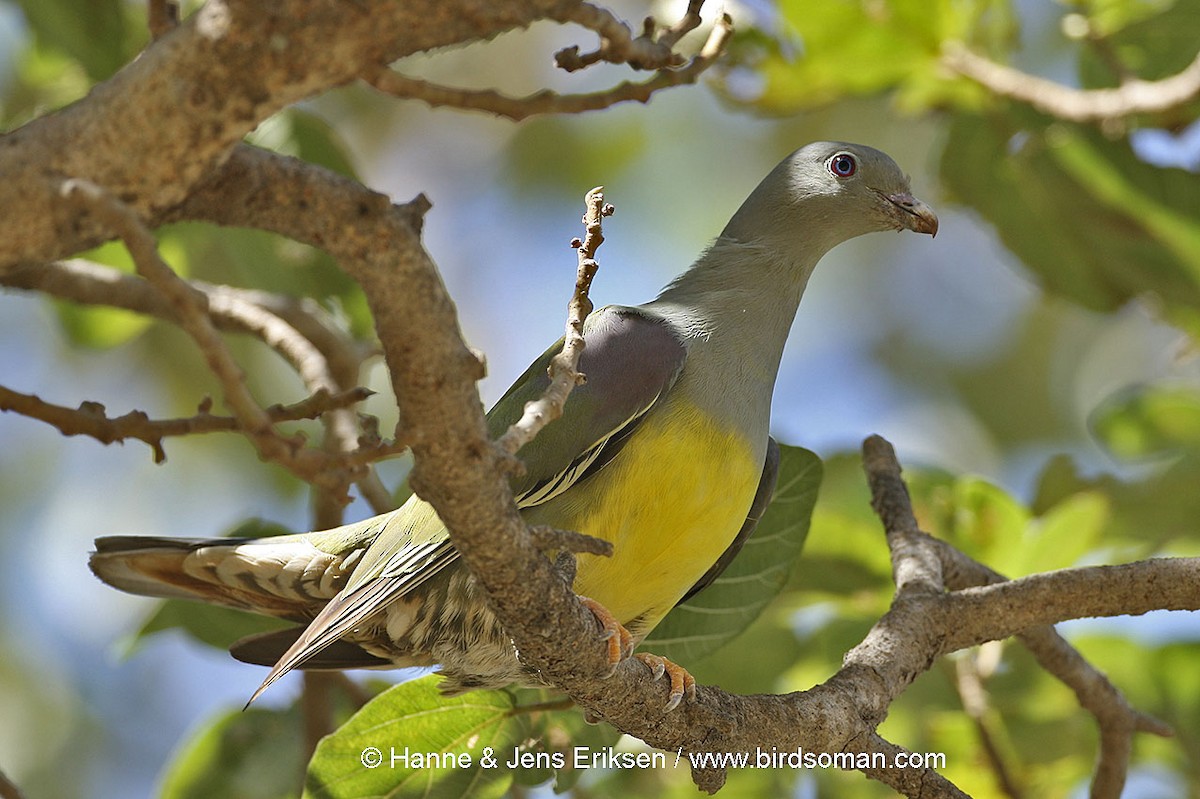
{"type": "Point", "coordinates": [682, 683]}
{"type": "Point", "coordinates": [620, 647]}
{"type": "Point", "coordinates": [620, 641]}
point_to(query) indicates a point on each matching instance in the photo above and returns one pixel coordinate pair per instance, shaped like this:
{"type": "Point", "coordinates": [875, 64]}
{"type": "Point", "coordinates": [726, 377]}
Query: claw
{"type": "Point", "coordinates": [682, 683]}
{"type": "Point", "coordinates": [620, 641]}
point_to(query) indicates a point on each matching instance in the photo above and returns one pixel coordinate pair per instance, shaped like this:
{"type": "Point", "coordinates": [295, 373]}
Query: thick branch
{"type": "Point", "coordinates": [1132, 97]}
{"type": "Point", "coordinates": [210, 81]}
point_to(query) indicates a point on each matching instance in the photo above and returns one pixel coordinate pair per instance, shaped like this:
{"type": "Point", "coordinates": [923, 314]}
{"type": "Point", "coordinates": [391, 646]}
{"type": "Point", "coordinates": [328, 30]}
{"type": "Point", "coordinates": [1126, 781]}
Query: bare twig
{"type": "Point", "coordinates": [564, 367]}
{"type": "Point", "coordinates": [1132, 97]}
{"type": "Point", "coordinates": [191, 308]}
{"type": "Point", "coordinates": [90, 418]}
{"type": "Point", "coordinates": [618, 45]}
{"type": "Point", "coordinates": [915, 564]}
{"type": "Point", "coordinates": [969, 683]}
{"type": "Point", "coordinates": [569, 541]}
{"type": "Point", "coordinates": [546, 101]}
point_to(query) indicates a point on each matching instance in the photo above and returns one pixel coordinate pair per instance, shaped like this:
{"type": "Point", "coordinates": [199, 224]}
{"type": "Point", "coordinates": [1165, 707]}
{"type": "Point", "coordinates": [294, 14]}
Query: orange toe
{"type": "Point", "coordinates": [681, 682]}
{"type": "Point", "coordinates": [620, 641]}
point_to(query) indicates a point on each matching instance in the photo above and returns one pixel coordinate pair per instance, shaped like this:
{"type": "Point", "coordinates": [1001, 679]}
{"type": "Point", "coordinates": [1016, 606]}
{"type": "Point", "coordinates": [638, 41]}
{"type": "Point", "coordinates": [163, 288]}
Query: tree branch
{"type": "Point", "coordinates": [215, 80]}
{"type": "Point", "coordinates": [564, 367]}
{"type": "Point", "coordinates": [90, 418]}
{"type": "Point", "coordinates": [618, 45]}
{"type": "Point", "coordinates": [1015, 607]}
{"type": "Point", "coordinates": [191, 308]}
{"type": "Point", "coordinates": [1132, 97]}
{"type": "Point", "coordinates": [393, 83]}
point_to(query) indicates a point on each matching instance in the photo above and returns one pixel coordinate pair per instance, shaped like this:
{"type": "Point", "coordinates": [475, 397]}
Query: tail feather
{"type": "Point", "coordinates": [286, 577]}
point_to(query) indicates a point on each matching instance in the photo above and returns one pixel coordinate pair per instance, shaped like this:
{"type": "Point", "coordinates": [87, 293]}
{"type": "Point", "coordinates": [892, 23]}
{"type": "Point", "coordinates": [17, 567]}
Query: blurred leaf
{"type": "Point", "coordinates": [251, 754]}
{"type": "Point", "coordinates": [1149, 421]}
{"type": "Point", "coordinates": [1107, 17]}
{"type": "Point", "coordinates": [1093, 221]}
{"type": "Point", "coordinates": [97, 33]}
{"type": "Point", "coordinates": [209, 624]}
{"type": "Point", "coordinates": [717, 614]}
{"type": "Point", "coordinates": [414, 719]}
{"type": "Point", "coordinates": [1155, 514]}
{"type": "Point", "coordinates": [1061, 537]}
{"type": "Point", "coordinates": [306, 136]}
{"type": "Point", "coordinates": [551, 154]}
{"type": "Point", "coordinates": [831, 50]}
{"type": "Point", "coordinates": [1152, 38]}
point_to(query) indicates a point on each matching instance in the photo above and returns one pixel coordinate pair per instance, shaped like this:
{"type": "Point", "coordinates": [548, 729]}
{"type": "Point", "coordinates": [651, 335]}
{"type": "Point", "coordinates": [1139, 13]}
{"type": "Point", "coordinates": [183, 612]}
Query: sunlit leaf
{"type": "Point", "coordinates": [1149, 421]}
{"type": "Point", "coordinates": [400, 744]}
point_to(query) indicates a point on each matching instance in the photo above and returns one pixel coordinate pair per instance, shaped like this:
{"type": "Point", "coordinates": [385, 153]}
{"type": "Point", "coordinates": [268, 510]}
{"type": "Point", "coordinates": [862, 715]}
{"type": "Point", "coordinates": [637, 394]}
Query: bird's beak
{"type": "Point", "coordinates": [912, 214]}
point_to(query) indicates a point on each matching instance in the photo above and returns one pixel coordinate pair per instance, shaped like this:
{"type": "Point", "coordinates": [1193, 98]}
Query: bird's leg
{"type": "Point", "coordinates": [681, 682]}
{"type": "Point", "coordinates": [620, 641]}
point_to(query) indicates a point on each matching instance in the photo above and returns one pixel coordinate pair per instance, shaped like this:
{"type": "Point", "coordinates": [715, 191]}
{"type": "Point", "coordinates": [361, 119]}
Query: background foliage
{"type": "Point", "coordinates": [1038, 359]}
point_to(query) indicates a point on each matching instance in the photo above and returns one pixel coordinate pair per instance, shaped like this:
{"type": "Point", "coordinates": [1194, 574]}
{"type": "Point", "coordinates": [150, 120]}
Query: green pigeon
{"type": "Point", "coordinates": [664, 452]}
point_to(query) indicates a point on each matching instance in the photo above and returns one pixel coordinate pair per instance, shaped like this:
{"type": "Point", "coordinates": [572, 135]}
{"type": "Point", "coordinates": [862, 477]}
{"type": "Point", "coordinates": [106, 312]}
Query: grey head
{"type": "Point", "coordinates": [826, 193]}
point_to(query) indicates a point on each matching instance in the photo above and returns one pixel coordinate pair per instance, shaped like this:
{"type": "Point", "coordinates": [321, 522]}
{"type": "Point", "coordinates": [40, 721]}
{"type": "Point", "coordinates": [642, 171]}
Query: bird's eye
{"type": "Point", "coordinates": [843, 165]}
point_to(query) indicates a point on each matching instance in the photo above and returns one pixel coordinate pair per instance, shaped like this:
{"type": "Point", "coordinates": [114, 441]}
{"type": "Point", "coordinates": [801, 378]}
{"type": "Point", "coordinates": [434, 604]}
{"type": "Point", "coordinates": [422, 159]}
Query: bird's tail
{"type": "Point", "coordinates": [285, 576]}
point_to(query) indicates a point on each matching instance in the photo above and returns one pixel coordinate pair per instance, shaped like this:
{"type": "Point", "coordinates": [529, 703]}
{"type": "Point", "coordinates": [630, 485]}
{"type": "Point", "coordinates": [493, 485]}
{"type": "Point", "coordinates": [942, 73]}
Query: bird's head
{"type": "Point", "coordinates": [826, 193]}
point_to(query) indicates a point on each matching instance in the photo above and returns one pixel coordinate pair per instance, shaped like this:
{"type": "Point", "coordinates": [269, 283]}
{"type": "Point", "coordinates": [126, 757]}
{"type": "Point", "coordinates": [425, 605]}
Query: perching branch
{"type": "Point", "coordinates": [548, 102]}
{"type": "Point", "coordinates": [1132, 97]}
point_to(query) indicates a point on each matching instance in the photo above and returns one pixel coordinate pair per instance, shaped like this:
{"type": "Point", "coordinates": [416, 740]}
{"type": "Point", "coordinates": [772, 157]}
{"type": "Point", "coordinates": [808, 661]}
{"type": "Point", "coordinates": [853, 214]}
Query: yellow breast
{"type": "Point", "coordinates": [671, 502]}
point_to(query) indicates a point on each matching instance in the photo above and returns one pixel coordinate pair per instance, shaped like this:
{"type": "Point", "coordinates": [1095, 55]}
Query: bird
{"type": "Point", "coordinates": [664, 451]}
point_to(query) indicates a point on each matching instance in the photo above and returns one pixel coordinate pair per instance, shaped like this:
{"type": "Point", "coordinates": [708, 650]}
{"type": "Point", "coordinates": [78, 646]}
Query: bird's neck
{"type": "Point", "coordinates": [741, 296]}
{"type": "Point", "coordinates": [735, 306]}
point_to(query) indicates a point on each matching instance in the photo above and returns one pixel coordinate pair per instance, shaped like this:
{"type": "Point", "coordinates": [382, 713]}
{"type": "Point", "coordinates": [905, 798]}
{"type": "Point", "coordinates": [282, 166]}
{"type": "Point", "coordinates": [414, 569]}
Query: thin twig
{"type": "Point", "coordinates": [969, 683]}
{"type": "Point", "coordinates": [548, 102]}
{"type": "Point", "coordinates": [91, 419]}
{"type": "Point", "coordinates": [1132, 97]}
{"type": "Point", "coordinates": [618, 45]}
{"type": "Point", "coordinates": [564, 367]}
{"type": "Point", "coordinates": [191, 308]}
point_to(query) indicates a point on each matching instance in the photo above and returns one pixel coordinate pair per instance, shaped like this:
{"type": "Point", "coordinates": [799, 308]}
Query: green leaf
{"type": "Point", "coordinates": [832, 50]}
{"type": "Point", "coordinates": [306, 136]}
{"type": "Point", "coordinates": [1063, 535]}
{"type": "Point", "coordinates": [1152, 38]}
{"type": "Point", "coordinates": [717, 614]}
{"type": "Point", "coordinates": [209, 624]}
{"type": "Point", "coordinates": [255, 754]}
{"type": "Point", "coordinates": [97, 33]}
{"type": "Point", "coordinates": [1094, 222]}
{"type": "Point", "coordinates": [1149, 421]}
{"type": "Point", "coordinates": [410, 732]}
